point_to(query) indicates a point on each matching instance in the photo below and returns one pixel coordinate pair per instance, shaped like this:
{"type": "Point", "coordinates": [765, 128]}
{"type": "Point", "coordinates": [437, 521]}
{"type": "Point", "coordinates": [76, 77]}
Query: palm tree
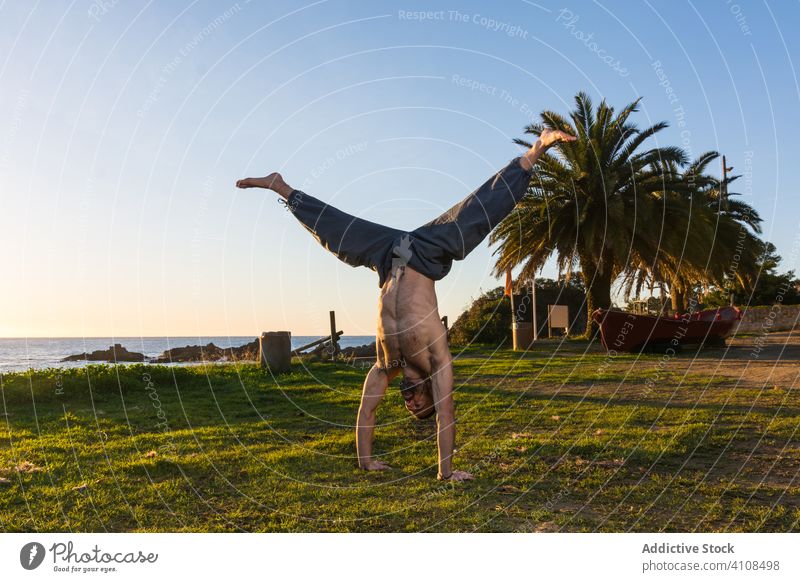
{"type": "Point", "coordinates": [591, 201]}
{"type": "Point", "coordinates": [711, 240]}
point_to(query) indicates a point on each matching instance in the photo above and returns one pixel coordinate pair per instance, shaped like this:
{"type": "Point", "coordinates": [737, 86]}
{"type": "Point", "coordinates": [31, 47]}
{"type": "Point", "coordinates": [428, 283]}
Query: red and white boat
{"type": "Point", "coordinates": [630, 332]}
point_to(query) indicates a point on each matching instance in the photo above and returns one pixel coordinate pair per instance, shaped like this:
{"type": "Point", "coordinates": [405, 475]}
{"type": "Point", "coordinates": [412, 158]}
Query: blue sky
{"type": "Point", "coordinates": [125, 126]}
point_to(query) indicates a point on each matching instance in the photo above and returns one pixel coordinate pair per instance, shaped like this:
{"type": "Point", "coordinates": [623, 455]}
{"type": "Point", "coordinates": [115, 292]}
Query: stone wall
{"type": "Point", "coordinates": [769, 318]}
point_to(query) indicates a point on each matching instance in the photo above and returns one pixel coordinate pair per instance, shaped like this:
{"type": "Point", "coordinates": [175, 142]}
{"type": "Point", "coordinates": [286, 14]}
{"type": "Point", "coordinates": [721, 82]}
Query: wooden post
{"type": "Point", "coordinates": [275, 351]}
{"type": "Point", "coordinates": [514, 341]}
{"type": "Point", "coordinates": [334, 337]}
{"type": "Point", "coordinates": [316, 342]}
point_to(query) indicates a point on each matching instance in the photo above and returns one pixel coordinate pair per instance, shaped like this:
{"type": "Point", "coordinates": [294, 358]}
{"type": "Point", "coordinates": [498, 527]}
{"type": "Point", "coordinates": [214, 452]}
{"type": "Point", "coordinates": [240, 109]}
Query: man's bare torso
{"type": "Point", "coordinates": [410, 331]}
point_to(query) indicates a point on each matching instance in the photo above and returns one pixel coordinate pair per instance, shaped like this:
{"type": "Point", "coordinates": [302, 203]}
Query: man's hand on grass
{"type": "Point", "coordinates": [373, 465]}
{"type": "Point", "coordinates": [457, 476]}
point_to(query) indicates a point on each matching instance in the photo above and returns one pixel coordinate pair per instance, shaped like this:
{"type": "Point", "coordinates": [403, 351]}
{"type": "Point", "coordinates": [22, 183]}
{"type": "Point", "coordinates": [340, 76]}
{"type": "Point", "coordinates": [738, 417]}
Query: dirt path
{"type": "Point", "coordinates": [772, 359]}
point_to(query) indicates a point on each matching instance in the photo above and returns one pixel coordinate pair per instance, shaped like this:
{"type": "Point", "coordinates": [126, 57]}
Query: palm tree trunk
{"type": "Point", "coordinates": [598, 292]}
{"type": "Point", "coordinates": [677, 296]}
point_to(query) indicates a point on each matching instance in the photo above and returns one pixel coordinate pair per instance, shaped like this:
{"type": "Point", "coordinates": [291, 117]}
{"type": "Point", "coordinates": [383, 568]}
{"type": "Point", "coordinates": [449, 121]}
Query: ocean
{"type": "Point", "coordinates": [20, 354]}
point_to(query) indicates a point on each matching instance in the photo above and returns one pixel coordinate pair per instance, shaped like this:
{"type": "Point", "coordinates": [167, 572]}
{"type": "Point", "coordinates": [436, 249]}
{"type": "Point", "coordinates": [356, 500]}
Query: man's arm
{"type": "Point", "coordinates": [375, 386]}
{"type": "Point", "coordinates": [442, 387]}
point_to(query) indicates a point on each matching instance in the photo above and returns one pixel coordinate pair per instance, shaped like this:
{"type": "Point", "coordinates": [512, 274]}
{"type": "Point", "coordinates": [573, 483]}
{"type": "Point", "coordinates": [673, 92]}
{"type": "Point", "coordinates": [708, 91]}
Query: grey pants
{"type": "Point", "coordinates": [430, 249]}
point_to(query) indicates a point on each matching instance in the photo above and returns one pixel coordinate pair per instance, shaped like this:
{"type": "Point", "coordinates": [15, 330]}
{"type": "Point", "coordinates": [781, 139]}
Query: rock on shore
{"type": "Point", "coordinates": [115, 353]}
{"type": "Point", "coordinates": [209, 353]}
{"type": "Point", "coordinates": [206, 353]}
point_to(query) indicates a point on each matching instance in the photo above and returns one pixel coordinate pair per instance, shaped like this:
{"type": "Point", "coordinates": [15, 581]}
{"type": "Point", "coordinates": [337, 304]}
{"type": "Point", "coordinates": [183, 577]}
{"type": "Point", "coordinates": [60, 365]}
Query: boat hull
{"type": "Point", "coordinates": [629, 332]}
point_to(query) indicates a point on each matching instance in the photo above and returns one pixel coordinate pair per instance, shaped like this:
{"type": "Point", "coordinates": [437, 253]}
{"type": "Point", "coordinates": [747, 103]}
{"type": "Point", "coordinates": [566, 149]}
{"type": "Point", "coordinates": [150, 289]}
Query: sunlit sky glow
{"type": "Point", "coordinates": [125, 125]}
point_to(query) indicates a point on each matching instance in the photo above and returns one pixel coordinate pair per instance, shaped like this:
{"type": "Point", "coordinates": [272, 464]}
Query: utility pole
{"type": "Point", "coordinates": [723, 191]}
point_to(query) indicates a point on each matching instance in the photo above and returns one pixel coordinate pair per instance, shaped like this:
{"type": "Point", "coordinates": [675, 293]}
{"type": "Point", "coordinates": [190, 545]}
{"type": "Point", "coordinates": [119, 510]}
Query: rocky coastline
{"type": "Point", "coordinates": [213, 353]}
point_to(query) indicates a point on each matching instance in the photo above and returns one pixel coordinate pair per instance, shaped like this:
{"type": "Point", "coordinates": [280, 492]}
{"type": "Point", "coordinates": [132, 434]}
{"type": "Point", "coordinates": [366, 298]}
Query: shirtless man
{"type": "Point", "coordinates": [411, 338]}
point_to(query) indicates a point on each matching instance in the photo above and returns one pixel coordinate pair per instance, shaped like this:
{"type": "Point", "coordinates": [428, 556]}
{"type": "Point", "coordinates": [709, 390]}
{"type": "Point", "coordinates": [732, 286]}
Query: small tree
{"type": "Point", "coordinates": [769, 286]}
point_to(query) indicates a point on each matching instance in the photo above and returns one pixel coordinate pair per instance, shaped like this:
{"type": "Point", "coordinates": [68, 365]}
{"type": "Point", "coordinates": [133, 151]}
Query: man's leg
{"type": "Point", "coordinates": [353, 240]}
{"type": "Point", "coordinates": [456, 233]}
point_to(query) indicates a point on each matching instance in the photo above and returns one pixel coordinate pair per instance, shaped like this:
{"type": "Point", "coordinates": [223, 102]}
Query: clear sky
{"type": "Point", "coordinates": [124, 125]}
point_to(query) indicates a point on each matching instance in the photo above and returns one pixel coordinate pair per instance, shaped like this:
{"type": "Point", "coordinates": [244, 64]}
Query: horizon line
{"type": "Point", "coordinates": [169, 336]}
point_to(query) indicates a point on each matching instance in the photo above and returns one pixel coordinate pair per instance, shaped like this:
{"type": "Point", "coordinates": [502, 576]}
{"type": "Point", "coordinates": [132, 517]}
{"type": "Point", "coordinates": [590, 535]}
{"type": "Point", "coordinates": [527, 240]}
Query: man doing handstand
{"type": "Point", "coordinates": [411, 337]}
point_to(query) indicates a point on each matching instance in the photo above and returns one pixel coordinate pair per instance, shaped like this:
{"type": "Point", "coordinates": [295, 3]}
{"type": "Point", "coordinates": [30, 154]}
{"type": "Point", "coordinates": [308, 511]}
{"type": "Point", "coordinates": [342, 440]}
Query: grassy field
{"type": "Point", "coordinates": [571, 441]}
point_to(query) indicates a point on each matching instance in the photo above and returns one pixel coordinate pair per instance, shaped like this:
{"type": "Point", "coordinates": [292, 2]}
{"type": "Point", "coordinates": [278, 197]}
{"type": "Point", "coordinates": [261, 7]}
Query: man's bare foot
{"type": "Point", "coordinates": [547, 139]}
{"type": "Point", "coordinates": [268, 182]}
{"type": "Point", "coordinates": [272, 182]}
{"type": "Point", "coordinates": [550, 137]}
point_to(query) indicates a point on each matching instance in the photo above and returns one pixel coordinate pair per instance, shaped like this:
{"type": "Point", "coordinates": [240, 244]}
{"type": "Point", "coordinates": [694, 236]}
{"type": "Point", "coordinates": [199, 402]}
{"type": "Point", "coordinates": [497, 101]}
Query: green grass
{"type": "Point", "coordinates": [569, 442]}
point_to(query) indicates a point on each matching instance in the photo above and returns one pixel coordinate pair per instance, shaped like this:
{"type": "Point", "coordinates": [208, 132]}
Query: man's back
{"type": "Point", "coordinates": [410, 330]}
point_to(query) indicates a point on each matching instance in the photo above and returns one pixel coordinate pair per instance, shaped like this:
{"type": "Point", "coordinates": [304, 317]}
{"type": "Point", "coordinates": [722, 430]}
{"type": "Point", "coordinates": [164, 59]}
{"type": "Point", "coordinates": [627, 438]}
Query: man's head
{"type": "Point", "coordinates": [418, 397]}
